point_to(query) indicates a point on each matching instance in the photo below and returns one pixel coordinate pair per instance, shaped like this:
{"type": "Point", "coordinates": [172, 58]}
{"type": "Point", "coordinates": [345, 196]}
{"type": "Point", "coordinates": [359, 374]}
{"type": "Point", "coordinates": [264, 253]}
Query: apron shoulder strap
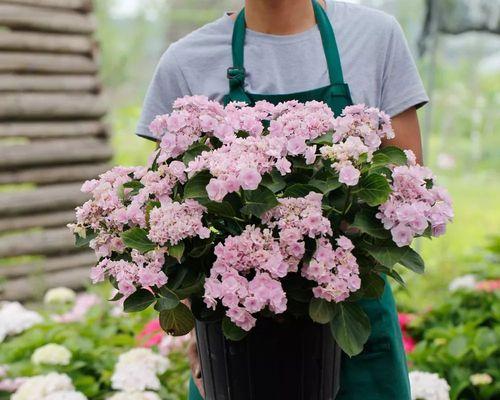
{"type": "Point", "coordinates": [236, 73]}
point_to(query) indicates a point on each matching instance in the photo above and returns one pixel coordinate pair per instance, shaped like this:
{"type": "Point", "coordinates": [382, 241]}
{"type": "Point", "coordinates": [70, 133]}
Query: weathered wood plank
{"type": "Point", "coordinates": [43, 242]}
{"type": "Point", "coordinates": [23, 289]}
{"type": "Point", "coordinates": [47, 198]}
{"type": "Point", "coordinates": [83, 5]}
{"type": "Point", "coordinates": [50, 264]}
{"type": "Point", "coordinates": [46, 63]}
{"type": "Point", "coordinates": [36, 18]}
{"type": "Point", "coordinates": [46, 220]}
{"type": "Point", "coordinates": [54, 152]}
{"type": "Point", "coordinates": [58, 174]}
{"type": "Point", "coordinates": [45, 106]}
{"type": "Point", "coordinates": [49, 83]}
{"type": "Point", "coordinates": [55, 129]}
{"type": "Point", "coordinates": [46, 42]}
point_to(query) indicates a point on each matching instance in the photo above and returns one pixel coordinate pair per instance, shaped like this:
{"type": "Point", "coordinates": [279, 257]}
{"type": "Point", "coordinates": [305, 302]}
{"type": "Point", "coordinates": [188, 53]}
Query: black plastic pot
{"type": "Point", "coordinates": [292, 360]}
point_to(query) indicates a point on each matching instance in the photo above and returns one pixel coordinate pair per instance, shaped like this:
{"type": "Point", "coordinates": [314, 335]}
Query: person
{"type": "Point", "coordinates": [327, 50]}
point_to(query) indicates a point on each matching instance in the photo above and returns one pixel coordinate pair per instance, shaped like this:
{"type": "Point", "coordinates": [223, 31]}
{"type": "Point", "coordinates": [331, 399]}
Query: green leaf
{"type": "Point", "coordinates": [177, 251]}
{"type": "Point", "coordinates": [374, 189]}
{"type": "Point", "coordinates": [327, 138]}
{"type": "Point", "coordinates": [299, 190]}
{"type": "Point", "coordinates": [196, 186]}
{"type": "Point", "coordinates": [398, 278]}
{"type": "Point", "coordinates": [232, 331]}
{"type": "Point", "coordinates": [138, 301]}
{"type": "Point", "coordinates": [387, 255]}
{"type": "Point", "coordinates": [199, 251]}
{"type": "Point", "coordinates": [366, 222]}
{"type": "Point", "coordinates": [273, 181]}
{"type": "Point", "coordinates": [84, 241]}
{"type": "Point", "coordinates": [191, 285]}
{"type": "Point", "coordinates": [137, 238]}
{"type": "Point", "coordinates": [389, 155]}
{"type": "Point", "coordinates": [178, 321]}
{"type": "Point", "coordinates": [195, 150]}
{"type": "Point", "coordinates": [169, 300]}
{"type": "Point", "coordinates": [259, 201]}
{"type": "Point", "coordinates": [222, 209]}
{"type": "Point", "coordinates": [412, 260]}
{"type": "Point", "coordinates": [373, 286]}
{"type": "Point", "coordinates": [320, 310]}
{"type": "Point", "coordinates": [326, 186]}
{"type": "Point", "coordinates": [350, 327]}
{"type": "Point", "coordinates": [458, 347]}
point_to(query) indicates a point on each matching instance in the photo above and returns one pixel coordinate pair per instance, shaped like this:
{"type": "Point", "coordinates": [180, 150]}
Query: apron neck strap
{"type": "Point", "coordinates": [236, 73]}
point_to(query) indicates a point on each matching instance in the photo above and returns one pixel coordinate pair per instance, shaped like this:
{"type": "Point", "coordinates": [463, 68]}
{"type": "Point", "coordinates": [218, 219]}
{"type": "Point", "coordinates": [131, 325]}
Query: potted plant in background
{"type": "Point", "coordinates": [274, 221]}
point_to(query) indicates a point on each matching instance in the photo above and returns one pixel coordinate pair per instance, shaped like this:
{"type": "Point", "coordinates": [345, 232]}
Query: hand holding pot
{"type": "Point", "coordinates": [194, 362]}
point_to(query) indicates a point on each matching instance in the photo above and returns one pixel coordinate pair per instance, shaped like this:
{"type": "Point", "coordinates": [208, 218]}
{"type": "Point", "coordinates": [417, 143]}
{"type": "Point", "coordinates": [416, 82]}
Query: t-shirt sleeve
{"type": "Point", "coordinates": [167, 85]}
{"type": "Point", "coordinates": [402, 86]}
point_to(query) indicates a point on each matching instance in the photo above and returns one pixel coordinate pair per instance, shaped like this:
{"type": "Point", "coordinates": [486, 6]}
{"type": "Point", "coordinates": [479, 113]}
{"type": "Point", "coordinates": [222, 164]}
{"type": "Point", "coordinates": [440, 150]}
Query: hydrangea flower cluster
{"type": "Point", "coordinates": [51, 354]}
{"type": "Point", "coordinates": [237, 184]}
{"type": "Point", "coordinates": [358, 131]}
{"type": "Point", "coordinates": [428, 386]}
{"type": "Point", "coordinates": [255, 250]}
{"type": "Point", "coordinates": [192, 116]}
{"type": "Point", "coordinates": [257, 253]}
{"type": "Point", "coordinates": [335, 271]}
{"type": "Point", "coordinates": [296, 218]}
{"type": "Point", "coordinates": [137, 370]}
{"type": "Point", "coordinates": [135, 396]}
{"type": "Point", "coordinates": [59, 295]}
{"type": "Point", "coordinates": [413, 206]}
{"type": "Point", "coordinates": [237, 164]}
{"type": "Point", "coordinates": [173, 222]}
{"type": "Point", "coordinates": [144, 270]}
{"type": "Point", "coordinates": [15, 319]}
{"type": "Point", "coordinates": [52, 386]}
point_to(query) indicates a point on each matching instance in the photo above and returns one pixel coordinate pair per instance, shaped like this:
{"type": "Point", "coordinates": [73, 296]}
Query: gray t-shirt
{"type": "Point", "coordinates": [375, 58]}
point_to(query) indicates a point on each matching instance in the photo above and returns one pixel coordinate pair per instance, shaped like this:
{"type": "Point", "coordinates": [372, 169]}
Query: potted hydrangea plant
{"type": "Point", "coordinates": [273, 220]}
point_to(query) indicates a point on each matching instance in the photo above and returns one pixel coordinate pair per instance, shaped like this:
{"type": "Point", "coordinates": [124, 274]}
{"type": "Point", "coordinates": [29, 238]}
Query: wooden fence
{"type": "Point", "coordinates": [52, 138]}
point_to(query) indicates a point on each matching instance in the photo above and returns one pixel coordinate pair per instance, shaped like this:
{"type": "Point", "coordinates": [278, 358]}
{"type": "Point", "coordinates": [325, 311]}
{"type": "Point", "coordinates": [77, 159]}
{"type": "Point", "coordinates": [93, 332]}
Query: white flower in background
{"type": "Point", "coordinates": [59, 295]}
{"type": "Point", "coordinates": [481, 379]}
{"type": "Point", "coordinates": [137, 370]}
{"type": "Point", "coordinates": [468, 281]}
{"type": "Point", "coordinates": [171, 343]}
{"type": "Point", "coordinates": [428, 386]}
{"type": "Point", "coordinates": [134, 396]}
{"type": "Point", "coordinates": [53, 354]}
{"type": "Point", "coordinates": [66, 395]}
{"type": "Point", "coordinates": [15, 319]}
{"type": "Point", "coordinates": [41, 386]}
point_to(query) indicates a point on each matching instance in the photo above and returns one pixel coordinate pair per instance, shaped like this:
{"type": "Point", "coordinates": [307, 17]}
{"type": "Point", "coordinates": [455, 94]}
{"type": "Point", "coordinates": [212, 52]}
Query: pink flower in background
{"type": "Point", "coordinates": [404, 321]}
{"type": "Point", "coordinates": [490, 285]}
{"type": "Point", "coordinates": [83, 303]}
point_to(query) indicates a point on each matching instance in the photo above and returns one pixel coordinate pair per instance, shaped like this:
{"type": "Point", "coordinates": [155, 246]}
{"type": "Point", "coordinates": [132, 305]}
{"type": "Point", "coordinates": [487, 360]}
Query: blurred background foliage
{"type": "Point", "coordinates": [460, 126]}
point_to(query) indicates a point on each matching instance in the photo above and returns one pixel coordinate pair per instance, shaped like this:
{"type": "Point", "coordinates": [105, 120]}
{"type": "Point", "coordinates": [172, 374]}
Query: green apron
{"type": "Point", "coordinates": [380, 371]}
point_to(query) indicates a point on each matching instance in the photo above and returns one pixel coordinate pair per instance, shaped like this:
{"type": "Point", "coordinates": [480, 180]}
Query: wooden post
{"type": "Point", "coordinates": [52, 139]}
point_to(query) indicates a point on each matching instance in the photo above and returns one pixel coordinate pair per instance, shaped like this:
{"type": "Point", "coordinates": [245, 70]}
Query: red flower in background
{"type": "Point", "coordinates": [490, 285]}
{"type": "Point", "coordinates": [151, 335]}
{"type": "Point", "coordinates": [408, 342]}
